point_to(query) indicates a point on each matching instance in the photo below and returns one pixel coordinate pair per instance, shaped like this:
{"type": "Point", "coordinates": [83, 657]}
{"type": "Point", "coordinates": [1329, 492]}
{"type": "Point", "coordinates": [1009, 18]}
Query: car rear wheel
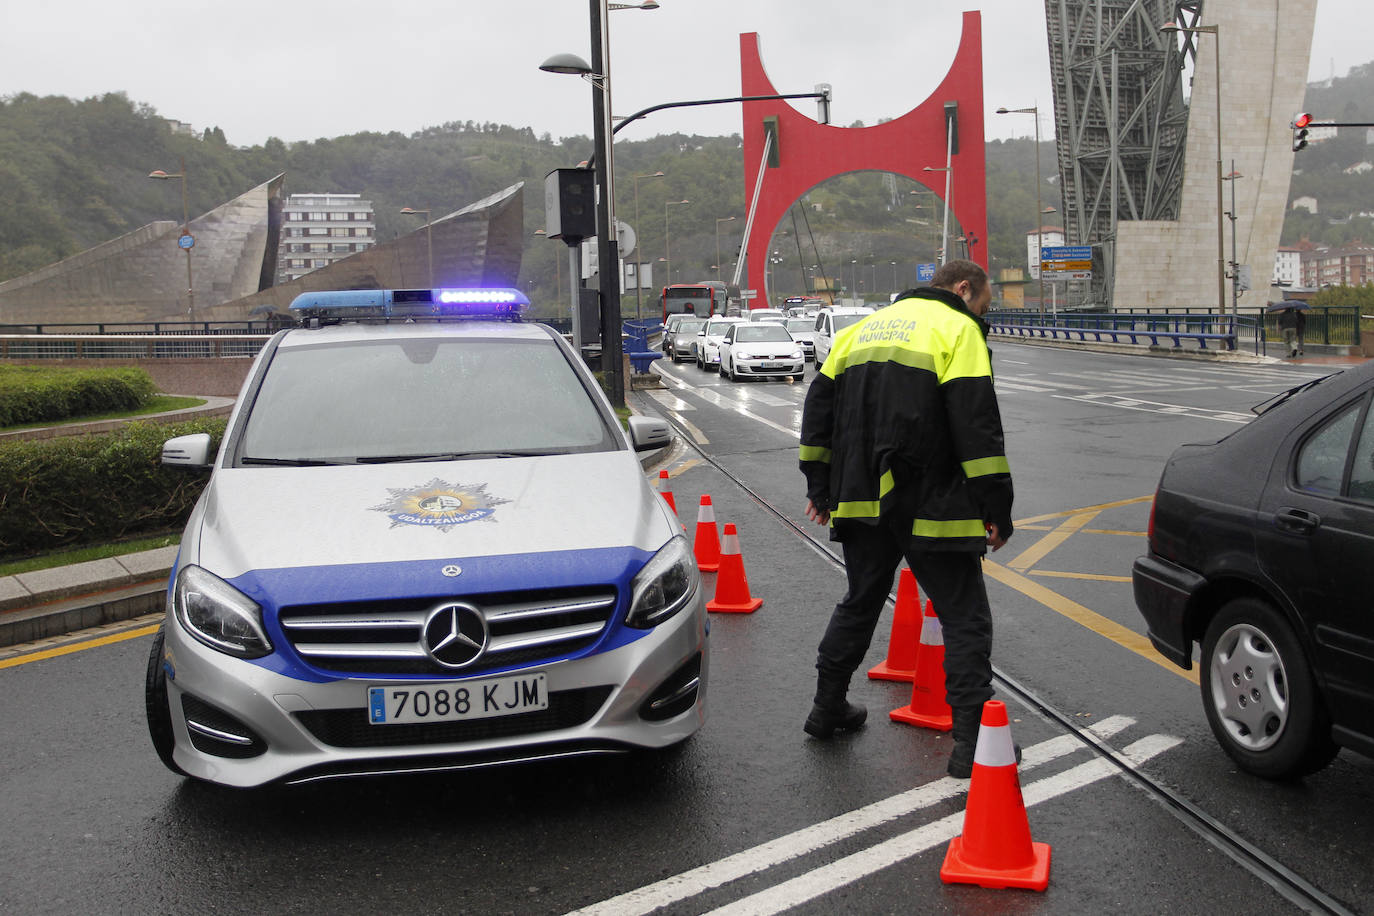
{"type": "Point", "coordinates": [155, 705]}
{"type": "Point", "coordinates": [1259, 694]}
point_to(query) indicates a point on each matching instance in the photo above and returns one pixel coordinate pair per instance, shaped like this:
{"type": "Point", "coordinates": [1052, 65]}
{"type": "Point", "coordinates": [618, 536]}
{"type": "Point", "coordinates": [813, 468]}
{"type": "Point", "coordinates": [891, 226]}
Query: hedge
{"type": "Point", "coordinates": [38, 394]}
{"type": "Point", "coordinates": [81, 490]}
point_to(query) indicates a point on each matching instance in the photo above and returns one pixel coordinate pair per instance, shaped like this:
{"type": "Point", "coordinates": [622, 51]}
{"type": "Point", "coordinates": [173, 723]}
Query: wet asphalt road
{"type": "Point", "coordinates": [743, 816]}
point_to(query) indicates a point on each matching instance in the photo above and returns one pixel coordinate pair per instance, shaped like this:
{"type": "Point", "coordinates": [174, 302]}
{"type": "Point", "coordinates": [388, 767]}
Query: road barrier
{"type": "Point", "coordinates": [1122, 328]}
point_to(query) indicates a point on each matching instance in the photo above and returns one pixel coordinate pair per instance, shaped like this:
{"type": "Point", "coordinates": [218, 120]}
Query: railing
{"type": "Point", "coordinates": [1126, 328]}
{"type": "Point", "coordinates": [159, 328]}
{"type": "Point", "coordinates": [129, 346]}
{"type": "Point", "coordinates": [1181, 327]}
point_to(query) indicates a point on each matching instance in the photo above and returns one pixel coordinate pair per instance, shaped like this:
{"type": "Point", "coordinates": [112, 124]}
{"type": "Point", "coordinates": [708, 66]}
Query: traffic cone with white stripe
{"type": "Point", "coordinates": [900, 664]}
{"type": "Point", "coordinates": [665, 492]}
{"type": "Point", "coordinates": [706, 545]}
{"type": "Point", "coordinates": [732, 586]}
{"type": "Point", "coordinates": [928, 708]}
{"type": "Point", "coordinates": [995, 849]}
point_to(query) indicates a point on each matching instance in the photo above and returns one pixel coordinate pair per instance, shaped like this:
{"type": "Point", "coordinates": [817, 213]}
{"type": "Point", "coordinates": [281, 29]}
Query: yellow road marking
{"type": "Point", "coordinates": [77, 647]}
{"type": "Point", "coordinates": [1041, 548]}
{"type": "Point", "coordinates": [1098, 508]}
{"type": "Point", "coordinates": [1094, 577]}
{"type": "Point", "coordinates": [1133, 534]}
{"type": "Point", "coordinates": [1105, 627]}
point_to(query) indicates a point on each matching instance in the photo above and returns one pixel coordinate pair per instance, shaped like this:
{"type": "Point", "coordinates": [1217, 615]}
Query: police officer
{"type": "Point", "coordinates": [901, 446]}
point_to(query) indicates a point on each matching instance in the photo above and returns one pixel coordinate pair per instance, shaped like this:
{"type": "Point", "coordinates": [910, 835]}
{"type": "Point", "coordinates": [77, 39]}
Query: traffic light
{"type": "Point", "coordinates": [1300, 124]}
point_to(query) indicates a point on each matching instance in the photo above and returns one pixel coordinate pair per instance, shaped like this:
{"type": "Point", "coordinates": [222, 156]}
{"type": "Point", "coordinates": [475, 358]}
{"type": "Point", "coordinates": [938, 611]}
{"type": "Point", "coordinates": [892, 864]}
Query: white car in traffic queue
{"type": "Point", "coordinates": [426, 544]}
{"type": "Point", "coordinates": [761, 350]}
{"type": "Point", "coordinates": [830, 322]}
{"type": "Point", "coordinates": [766, 315]}
{"type": "Point", "coordinates": [803, 331]}
{"type": "Point", "coordinates": [709, 338]}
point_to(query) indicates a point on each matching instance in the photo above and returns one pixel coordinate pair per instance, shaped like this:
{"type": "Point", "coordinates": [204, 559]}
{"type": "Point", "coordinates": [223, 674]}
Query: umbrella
{"type": "Point", "coordinates": [1288, 304]}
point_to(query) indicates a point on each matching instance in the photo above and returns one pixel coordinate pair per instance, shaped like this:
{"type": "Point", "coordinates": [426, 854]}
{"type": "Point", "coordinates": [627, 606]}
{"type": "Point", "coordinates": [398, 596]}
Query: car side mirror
{"type": "Point", "coordinates": [191, 452]}
{"type": "Point", "coordinates": [648, 433]}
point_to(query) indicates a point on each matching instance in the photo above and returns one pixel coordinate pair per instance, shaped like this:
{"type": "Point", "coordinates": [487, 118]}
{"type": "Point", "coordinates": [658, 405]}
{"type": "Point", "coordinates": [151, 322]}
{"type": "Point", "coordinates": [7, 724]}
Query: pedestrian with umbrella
{"type": "Point", "coordinates": [1292, 322]}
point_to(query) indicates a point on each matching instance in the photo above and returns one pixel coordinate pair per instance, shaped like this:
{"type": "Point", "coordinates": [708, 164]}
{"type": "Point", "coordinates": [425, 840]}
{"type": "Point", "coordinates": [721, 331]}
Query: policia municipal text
{"type": "Point", "coordinates": [901, 445]}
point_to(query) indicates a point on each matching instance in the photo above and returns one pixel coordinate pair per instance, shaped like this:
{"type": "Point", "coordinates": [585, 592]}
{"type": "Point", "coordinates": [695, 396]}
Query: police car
{"type": "Point", "coordinates": [426, 544]}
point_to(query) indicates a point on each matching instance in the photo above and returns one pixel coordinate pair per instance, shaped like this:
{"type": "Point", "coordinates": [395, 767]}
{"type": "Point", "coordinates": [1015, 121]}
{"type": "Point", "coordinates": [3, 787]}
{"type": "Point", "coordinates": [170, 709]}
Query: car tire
{"type": "Point", "coordinates": [155, 705]}
{"type": "Point", "coordinates": [720, 370]}
{"type": "Point", "coordinates": [1259, 694]}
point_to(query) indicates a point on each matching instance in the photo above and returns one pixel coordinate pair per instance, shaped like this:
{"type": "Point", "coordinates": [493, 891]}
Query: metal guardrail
{"type": "Point", "coordinates": [1114, 327]}
{"type": "Point", "coordinates": [129, 346]}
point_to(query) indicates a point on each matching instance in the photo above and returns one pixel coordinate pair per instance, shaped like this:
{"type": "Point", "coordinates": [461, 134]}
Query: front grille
{"type": "Point", "coordinates": [350, 728]}
{"type": "Point", "coordinates": [385, 637]}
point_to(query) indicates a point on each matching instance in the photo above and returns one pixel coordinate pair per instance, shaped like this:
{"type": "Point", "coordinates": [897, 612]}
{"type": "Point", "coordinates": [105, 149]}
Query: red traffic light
{"type": "Point", "coordinates": [1302, 120]}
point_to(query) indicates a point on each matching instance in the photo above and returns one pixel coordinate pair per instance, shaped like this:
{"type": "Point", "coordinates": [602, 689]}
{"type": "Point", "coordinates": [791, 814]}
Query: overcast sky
{"type": "Point", "coordinates": [300, 71]}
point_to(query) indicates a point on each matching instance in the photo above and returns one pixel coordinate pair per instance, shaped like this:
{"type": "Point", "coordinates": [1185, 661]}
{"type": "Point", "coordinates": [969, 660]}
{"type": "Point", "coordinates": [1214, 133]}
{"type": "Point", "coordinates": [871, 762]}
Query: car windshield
{"type": "Point", "coordinates": [761, 333]}
{"type": "Point", "coordinates": [420, 399]}
{"type": "Point", "coordinates": [844, 321]}
{"type": "Point", "coordinates": [689, 326]}
{"type": "Point", "coordinates": [799, 324]}
{"type": "Point", "coordinates": [718, 328]}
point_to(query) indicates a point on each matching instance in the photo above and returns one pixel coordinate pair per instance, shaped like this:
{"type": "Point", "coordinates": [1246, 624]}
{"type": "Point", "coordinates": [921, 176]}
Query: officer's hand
{"type": "Point", "coordinates": [819, 516]}
{"type": "Point", "coordinates": [995, 539]}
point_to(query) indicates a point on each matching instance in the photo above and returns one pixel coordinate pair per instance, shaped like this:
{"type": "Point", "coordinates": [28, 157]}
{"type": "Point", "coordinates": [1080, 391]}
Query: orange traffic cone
{"type": "Point", "coordinates": [900, 664]}
{"type": "Point", "coordinates": [995, 849]}
{"type": "Point", "coordinates": [928, 707]}
{"type": "Point", "coordinates": [706, 546]}
{"type": "Point", "coordinates": [732, 586]}
{"type": "Point", "coordinates": [666, 493]}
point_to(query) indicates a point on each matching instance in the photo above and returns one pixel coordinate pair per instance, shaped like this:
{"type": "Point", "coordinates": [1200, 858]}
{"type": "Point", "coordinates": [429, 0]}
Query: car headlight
{"type": "Point", "coordinates": [797, 353]}
{"type": "Point", "coordinates": [664, 586]}
{"type": "Point", "coordinates": [219, 615]}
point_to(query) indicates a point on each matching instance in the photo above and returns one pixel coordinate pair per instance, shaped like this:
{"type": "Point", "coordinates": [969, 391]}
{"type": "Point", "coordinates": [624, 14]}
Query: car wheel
{"type": "Point", "coordinates": [155, 706]}
{"type": "Point", "coordinates": [1259, 694]}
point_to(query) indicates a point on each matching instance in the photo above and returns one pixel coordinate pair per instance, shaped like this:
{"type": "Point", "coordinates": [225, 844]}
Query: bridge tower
{"type": "Point", "coordinates": [1137, 163]}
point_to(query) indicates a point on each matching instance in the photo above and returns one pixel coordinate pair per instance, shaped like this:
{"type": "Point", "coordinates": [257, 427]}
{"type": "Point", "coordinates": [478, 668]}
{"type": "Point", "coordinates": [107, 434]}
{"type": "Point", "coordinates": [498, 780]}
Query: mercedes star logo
{"type": "Point", "coordinates": [452, 570]}
{"type": "Point", "coordinates": [455, 635]}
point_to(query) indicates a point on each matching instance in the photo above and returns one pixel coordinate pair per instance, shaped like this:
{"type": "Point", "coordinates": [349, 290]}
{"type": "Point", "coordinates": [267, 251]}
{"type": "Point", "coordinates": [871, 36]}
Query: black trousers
{"type": "Point", "coordinates": [953, 580]}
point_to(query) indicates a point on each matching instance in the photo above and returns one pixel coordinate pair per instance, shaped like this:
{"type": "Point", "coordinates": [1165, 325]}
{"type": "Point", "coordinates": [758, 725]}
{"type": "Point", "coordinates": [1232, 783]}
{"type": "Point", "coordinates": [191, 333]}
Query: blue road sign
{"type": "Point", "coordinates": [1067, 253]}
{"type": "Point", "coordinates": [925, 273]}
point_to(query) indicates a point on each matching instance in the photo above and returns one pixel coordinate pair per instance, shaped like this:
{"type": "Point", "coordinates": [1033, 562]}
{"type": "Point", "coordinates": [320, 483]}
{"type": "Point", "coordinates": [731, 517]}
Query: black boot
{"type": "Point", "coordinates": [832, 712]}
{"type": "Point", "coordinates": [965, 732]}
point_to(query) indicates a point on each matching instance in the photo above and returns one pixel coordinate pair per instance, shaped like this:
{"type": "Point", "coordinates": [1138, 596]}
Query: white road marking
{"type": "Point", "coordinates": [670, 401]}
{"type": "Point", "coordinates": [1107, 399]}
{"type": "Point", "coordinates": [809, 839]}
{"type": "Point", "coordinates": [727, 403]}
{"type": "Point", "coordinates": [851, 868]}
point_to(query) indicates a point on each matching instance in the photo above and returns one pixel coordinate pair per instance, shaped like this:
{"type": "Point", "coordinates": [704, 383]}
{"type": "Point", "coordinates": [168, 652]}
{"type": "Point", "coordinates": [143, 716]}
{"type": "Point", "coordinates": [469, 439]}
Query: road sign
{"type": "Point", "coordinates": [925, 273]}
{"type": "Point", "coordinates": [186, 240]}
{"type": "Point", "coordinates": [748, 294]}
{"type": "Point", "coordinates": [1059, 259]}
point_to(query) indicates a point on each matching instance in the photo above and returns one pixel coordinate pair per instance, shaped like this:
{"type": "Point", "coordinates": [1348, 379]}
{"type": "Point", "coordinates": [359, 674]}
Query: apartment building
{"type": "Point", "coordinates": [1350, 266]}
{"type": "Point", "coordinates": [319, 229]}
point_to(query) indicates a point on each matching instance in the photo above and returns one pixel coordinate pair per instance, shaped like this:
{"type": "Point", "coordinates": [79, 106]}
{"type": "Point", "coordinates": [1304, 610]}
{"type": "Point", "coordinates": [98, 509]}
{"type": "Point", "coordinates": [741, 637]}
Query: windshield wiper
{"type": "Point", "coordinates": [447, 456]}
{"type": "Point", "coordinates": [291, 462]}
{"type": "Point", "coordinates": [1265, 406]}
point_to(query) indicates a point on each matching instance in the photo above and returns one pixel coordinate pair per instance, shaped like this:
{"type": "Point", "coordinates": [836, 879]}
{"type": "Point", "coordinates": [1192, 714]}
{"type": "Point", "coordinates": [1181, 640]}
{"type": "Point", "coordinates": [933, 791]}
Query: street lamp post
{"type": "Point", "coordinates": [1215, 31]}
{"type": "Point", "coordinates": [639, 249]}
{"type": "Point", "coordinates": [1034, 111]}
{"type": "Point", "coordinates": [667, 249]}
{"type": "Point", "coordinates": [186, 240]}
{"type": "Point", "coordinates": [1235, 258]}
{"type": "Point", "coordinates": [429, 239]}
{"type": "Point", "coordinates": [719, 220]}
{"type": "Point", "coordinates": [944, 231]}
{"type": "Point", "coordinates": [598, 73]}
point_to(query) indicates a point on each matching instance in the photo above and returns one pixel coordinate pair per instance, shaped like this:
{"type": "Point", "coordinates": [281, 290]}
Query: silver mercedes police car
{"type": "Point", "coordinates": [426, 544]}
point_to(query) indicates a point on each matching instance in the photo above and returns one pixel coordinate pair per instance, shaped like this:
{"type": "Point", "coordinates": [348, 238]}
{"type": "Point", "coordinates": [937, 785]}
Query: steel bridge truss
{"type": "Point", "coordinates": [1120, 118]}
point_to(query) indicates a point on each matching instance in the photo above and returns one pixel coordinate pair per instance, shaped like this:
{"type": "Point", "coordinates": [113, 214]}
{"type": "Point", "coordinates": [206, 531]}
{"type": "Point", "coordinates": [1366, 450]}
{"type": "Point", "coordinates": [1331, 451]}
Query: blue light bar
{"type": "Point", "coordinates": [464, 302]}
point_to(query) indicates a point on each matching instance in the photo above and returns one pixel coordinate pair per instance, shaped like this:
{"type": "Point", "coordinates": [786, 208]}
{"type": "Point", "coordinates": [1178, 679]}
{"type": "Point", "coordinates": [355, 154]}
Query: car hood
{"type": "Point", "coordinates": [276, 518]}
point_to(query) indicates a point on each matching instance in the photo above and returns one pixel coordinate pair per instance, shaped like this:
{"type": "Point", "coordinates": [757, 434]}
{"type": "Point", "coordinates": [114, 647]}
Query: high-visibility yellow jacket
{"type": "Point", "coordinates": [902, 423]}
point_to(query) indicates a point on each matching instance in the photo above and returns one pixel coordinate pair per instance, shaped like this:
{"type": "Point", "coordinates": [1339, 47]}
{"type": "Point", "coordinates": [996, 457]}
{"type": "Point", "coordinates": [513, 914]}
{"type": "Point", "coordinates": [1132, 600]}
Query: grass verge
{"type": "Point", "coordinates": [159, 404]}
{"type": "Point", "coordinates": [83, 554]}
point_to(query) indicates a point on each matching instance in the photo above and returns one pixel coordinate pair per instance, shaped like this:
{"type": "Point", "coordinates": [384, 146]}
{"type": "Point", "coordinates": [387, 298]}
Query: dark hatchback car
{"type": "Point", "coordinates": [1262, 551]}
